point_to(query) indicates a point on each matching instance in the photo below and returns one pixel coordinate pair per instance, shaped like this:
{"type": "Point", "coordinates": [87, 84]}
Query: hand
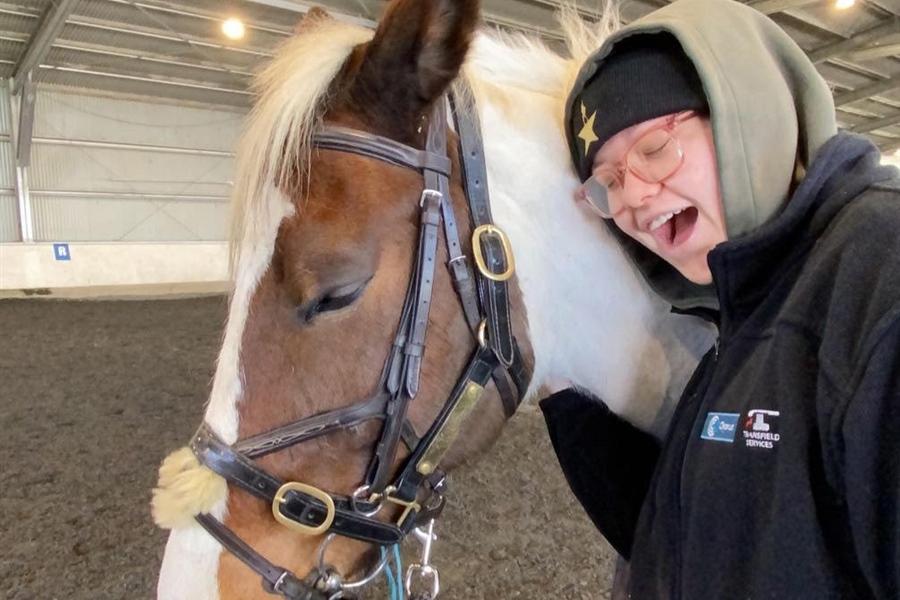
{"type": "Point", "coordinates": [555, 383]}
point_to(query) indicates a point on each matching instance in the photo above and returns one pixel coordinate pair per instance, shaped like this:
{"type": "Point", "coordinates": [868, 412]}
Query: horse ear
{"type": "Point", "coordinates": [418, 50]}
{"type": "Point", "coordinates": [310, 19]}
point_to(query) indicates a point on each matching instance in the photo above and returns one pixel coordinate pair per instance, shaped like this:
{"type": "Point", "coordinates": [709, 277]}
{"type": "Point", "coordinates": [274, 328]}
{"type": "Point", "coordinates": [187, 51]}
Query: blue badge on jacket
{"type": "Point", "coordinates": [720, 427]}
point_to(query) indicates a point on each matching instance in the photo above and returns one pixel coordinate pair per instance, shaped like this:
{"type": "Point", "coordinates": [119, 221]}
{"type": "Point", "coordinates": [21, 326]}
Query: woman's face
{"type": "Point", "coordinates": [680, 218]}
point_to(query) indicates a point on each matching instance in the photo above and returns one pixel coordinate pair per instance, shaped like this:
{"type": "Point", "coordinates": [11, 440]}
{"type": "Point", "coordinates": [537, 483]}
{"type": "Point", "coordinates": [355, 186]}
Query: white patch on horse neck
{"type": "Point", "coordinates": [592, 320]}
{"type": "Point", "coordinates": [517, 61]}
{"type": "Point", "coordinates": [189, 566]}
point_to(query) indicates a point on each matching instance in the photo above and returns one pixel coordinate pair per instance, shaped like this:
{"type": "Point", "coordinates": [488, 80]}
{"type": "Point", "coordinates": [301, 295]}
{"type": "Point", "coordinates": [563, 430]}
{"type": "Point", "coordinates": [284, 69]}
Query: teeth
{"type": "Point", "coordinates": [655, 223]}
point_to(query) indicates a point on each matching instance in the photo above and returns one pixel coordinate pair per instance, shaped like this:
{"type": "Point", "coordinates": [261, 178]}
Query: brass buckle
{"type": "Point", "coordinates": [479, 253]}
{"type": "Point", "coordinates": [481, 333]}
{"type": "Point", "coordinates": [408, 506]}
{"type": "Point", "coordinates": [311, 491]}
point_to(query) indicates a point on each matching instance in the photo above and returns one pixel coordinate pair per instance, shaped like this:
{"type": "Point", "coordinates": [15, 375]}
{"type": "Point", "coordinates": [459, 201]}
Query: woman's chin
{"type": "Point", "coordinates": [698, 274]}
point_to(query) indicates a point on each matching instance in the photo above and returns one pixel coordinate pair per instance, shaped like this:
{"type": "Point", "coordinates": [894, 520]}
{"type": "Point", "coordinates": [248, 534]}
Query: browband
{"type": "Point", "coordinates": [342, 139]}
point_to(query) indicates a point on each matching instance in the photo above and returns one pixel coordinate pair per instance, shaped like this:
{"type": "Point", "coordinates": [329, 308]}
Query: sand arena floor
{"type": "Point", "coordinates": [94, 394]}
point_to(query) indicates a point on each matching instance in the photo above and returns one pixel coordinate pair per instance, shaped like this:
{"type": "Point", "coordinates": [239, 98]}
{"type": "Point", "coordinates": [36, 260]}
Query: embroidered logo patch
{"type": "Point", "coordinates": [720, 427]}
{"type": "Point", "coordinates": [760, 429]}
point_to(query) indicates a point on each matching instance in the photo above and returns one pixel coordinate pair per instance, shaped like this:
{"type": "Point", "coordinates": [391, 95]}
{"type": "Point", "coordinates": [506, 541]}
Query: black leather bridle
{"type": "Point", "coordinates": [420, 484]}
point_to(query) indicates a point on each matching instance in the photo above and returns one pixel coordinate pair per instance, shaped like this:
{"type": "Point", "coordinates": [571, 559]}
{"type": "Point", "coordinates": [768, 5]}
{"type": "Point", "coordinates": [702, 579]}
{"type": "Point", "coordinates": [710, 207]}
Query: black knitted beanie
{"type": "Point", "coordinates": [645, 76]}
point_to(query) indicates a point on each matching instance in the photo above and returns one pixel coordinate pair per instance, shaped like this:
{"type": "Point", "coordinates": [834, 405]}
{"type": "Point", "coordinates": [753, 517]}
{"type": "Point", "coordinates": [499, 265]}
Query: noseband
{"type": "Point", "coordinates": [419, 486]}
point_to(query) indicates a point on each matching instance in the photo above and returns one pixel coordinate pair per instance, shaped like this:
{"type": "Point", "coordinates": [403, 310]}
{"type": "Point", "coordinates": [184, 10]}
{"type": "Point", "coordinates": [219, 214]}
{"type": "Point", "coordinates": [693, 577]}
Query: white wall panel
{"type": "Point", "coordinates": [7, 166]}
{"type": "Point", "coordinates": [115, 269]}
{"type": "Point", "coordinates": [9, 218]}
{"type": "Point", "coordinates": [175, 191]}
{"type": "Point", "coordinates": [75, 116]}
{"type": "Point", "coordinates": [67, 218]}
{"type": "Point", "coordinates": [83, 169]}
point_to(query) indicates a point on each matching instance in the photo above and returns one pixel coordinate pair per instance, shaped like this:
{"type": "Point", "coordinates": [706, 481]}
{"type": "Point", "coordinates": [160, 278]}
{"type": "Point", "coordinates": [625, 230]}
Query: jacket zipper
{"type": "Point", "coordinates": [709, 369]}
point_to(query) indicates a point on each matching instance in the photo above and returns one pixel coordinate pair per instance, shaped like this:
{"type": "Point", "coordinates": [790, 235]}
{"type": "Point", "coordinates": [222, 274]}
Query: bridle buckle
{"type": "Point", "coordinates": [316, 493]}
{"type": "Point", "coordinates": [430, 195]}
{"type": "Point", "coordinates": [478, 251]}
{"type": "Point", "coordinates": [408, 506]}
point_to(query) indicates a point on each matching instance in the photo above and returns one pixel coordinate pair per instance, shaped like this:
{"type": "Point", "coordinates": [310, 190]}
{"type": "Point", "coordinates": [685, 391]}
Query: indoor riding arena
{"type": "Point", "coordinates": [118, 123]}
{"type": "Point", "coordinates": [95, 394]}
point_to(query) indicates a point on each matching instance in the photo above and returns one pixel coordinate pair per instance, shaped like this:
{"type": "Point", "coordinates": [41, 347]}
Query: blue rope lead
{"type": "Point", "coordinates": [399, 564]}
{"type": "Point", "coordinates": [395, 583]}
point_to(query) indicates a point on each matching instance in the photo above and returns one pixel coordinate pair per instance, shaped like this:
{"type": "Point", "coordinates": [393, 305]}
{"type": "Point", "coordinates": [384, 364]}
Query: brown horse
{"type": "Point", "coordinates": [331, 239]}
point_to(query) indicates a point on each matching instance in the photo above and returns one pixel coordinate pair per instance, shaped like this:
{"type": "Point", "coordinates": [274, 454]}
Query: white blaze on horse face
{"type": "Point", "coordinates": [190, 564]}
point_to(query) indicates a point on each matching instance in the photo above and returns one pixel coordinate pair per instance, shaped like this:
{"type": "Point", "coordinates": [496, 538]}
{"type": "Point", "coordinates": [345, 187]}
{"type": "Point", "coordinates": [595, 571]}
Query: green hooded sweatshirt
{"type": "Point", "coordinates": [770, 110]}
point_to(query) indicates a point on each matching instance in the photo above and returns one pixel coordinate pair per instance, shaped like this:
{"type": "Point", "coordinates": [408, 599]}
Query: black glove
{"type": "Point", "coordinates": [607, 461]}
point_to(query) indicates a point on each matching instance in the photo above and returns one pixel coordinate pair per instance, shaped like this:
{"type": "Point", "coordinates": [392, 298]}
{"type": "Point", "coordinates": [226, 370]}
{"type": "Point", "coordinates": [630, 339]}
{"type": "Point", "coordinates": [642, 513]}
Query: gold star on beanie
{"type": "Point", "coordinates": [587, 134]}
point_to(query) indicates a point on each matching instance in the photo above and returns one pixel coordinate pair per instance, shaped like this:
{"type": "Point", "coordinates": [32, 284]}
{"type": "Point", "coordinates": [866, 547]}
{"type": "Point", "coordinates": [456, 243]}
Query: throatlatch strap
{"type": "Point", "coordinates": [494, 294]}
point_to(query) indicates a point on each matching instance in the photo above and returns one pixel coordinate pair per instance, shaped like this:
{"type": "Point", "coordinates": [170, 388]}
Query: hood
{"type": "Point", "coordinates": [771, 112]}
{"type": "Point", "coordinates": [847, 166]}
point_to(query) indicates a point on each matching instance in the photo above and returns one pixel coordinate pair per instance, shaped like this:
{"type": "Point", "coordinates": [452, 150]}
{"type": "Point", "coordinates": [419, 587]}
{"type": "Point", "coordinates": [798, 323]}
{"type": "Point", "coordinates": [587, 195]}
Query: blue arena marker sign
{"type": "Point", "coordinates": [61, 252]}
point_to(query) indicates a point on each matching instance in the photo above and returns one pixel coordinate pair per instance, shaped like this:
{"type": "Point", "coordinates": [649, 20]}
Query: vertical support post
{"type": "Point", "coordinates": [26, 123]}
{"type": "Point", "coordinates": [26, 224]}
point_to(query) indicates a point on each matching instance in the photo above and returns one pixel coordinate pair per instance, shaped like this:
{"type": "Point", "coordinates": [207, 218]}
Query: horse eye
{"type": "Point", "coordinates": [331, 301]}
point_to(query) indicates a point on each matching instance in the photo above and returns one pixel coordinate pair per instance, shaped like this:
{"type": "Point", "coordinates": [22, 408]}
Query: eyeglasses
{"type": "Point", "coordinates": [652, 158]}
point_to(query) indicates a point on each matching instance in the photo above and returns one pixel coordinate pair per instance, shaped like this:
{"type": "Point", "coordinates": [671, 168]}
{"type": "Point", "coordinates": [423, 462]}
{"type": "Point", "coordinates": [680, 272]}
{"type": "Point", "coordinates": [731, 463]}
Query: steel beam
{"type": "Point", "coordinates": [298, 7]}
{"type": "Point", "coordinates": [169, 82]}
{"type": "Point", "coordinates": [874, 124]}
{"type": "Point", "coordinates": [491, 18]}
{"type": "Point", "coordinates": [127, 146]}
{"type": "Point", "coordinates": [882, 51]}
{"type": "Point", "coordinates": [864, 38]}
{"type": "Point", "coordinates": [889, 146]}
{"type": "Point", "coordinates": [769, 7]}
{"type": "Point", "coordinates": [586, 13]}
{"type": "Point", "coordinates": [879, 87]}
{"type": "Point", "coordinates": [52, 22]}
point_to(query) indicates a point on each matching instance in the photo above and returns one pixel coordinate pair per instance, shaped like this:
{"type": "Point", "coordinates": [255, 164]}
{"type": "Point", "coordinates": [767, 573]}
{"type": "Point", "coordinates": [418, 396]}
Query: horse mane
{"type": "Point", "coordinates": [524, 62]}
{"type": "Point", "coordinates": [292, 93]}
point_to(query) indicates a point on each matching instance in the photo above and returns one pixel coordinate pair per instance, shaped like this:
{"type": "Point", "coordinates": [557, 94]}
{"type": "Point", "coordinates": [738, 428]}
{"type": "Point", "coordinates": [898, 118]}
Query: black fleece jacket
{"type": "Point", "coordinates": [779, 477]}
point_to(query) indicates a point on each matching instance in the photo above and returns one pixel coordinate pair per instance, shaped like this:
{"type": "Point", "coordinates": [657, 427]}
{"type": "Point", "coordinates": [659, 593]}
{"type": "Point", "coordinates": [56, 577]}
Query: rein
{"type": "Point", "coordinates": [419, 486]}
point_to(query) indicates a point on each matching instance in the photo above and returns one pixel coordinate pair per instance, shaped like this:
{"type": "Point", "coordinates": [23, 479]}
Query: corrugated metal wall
{"type": "Point", "coordinates": [105, 169]}
{"type": "Point", "coordinates": [9, 210]}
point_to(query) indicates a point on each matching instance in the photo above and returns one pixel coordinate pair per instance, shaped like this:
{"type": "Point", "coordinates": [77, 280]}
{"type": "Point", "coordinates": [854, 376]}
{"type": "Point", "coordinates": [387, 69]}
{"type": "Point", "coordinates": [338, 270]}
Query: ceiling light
{"type": "Point", "coordinates": [233, 28]}
{"type": "Point", "coordinates": [844, 4]}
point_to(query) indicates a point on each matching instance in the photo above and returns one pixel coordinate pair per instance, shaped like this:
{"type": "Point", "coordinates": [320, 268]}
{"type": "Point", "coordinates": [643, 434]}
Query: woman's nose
{"type": "Point", "coordinates": [636, 192]}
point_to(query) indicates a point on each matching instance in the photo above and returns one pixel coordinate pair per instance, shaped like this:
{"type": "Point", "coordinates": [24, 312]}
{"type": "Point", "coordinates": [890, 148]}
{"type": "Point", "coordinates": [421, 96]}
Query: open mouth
{"type": "Point", "coordinates": [674, 228]}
